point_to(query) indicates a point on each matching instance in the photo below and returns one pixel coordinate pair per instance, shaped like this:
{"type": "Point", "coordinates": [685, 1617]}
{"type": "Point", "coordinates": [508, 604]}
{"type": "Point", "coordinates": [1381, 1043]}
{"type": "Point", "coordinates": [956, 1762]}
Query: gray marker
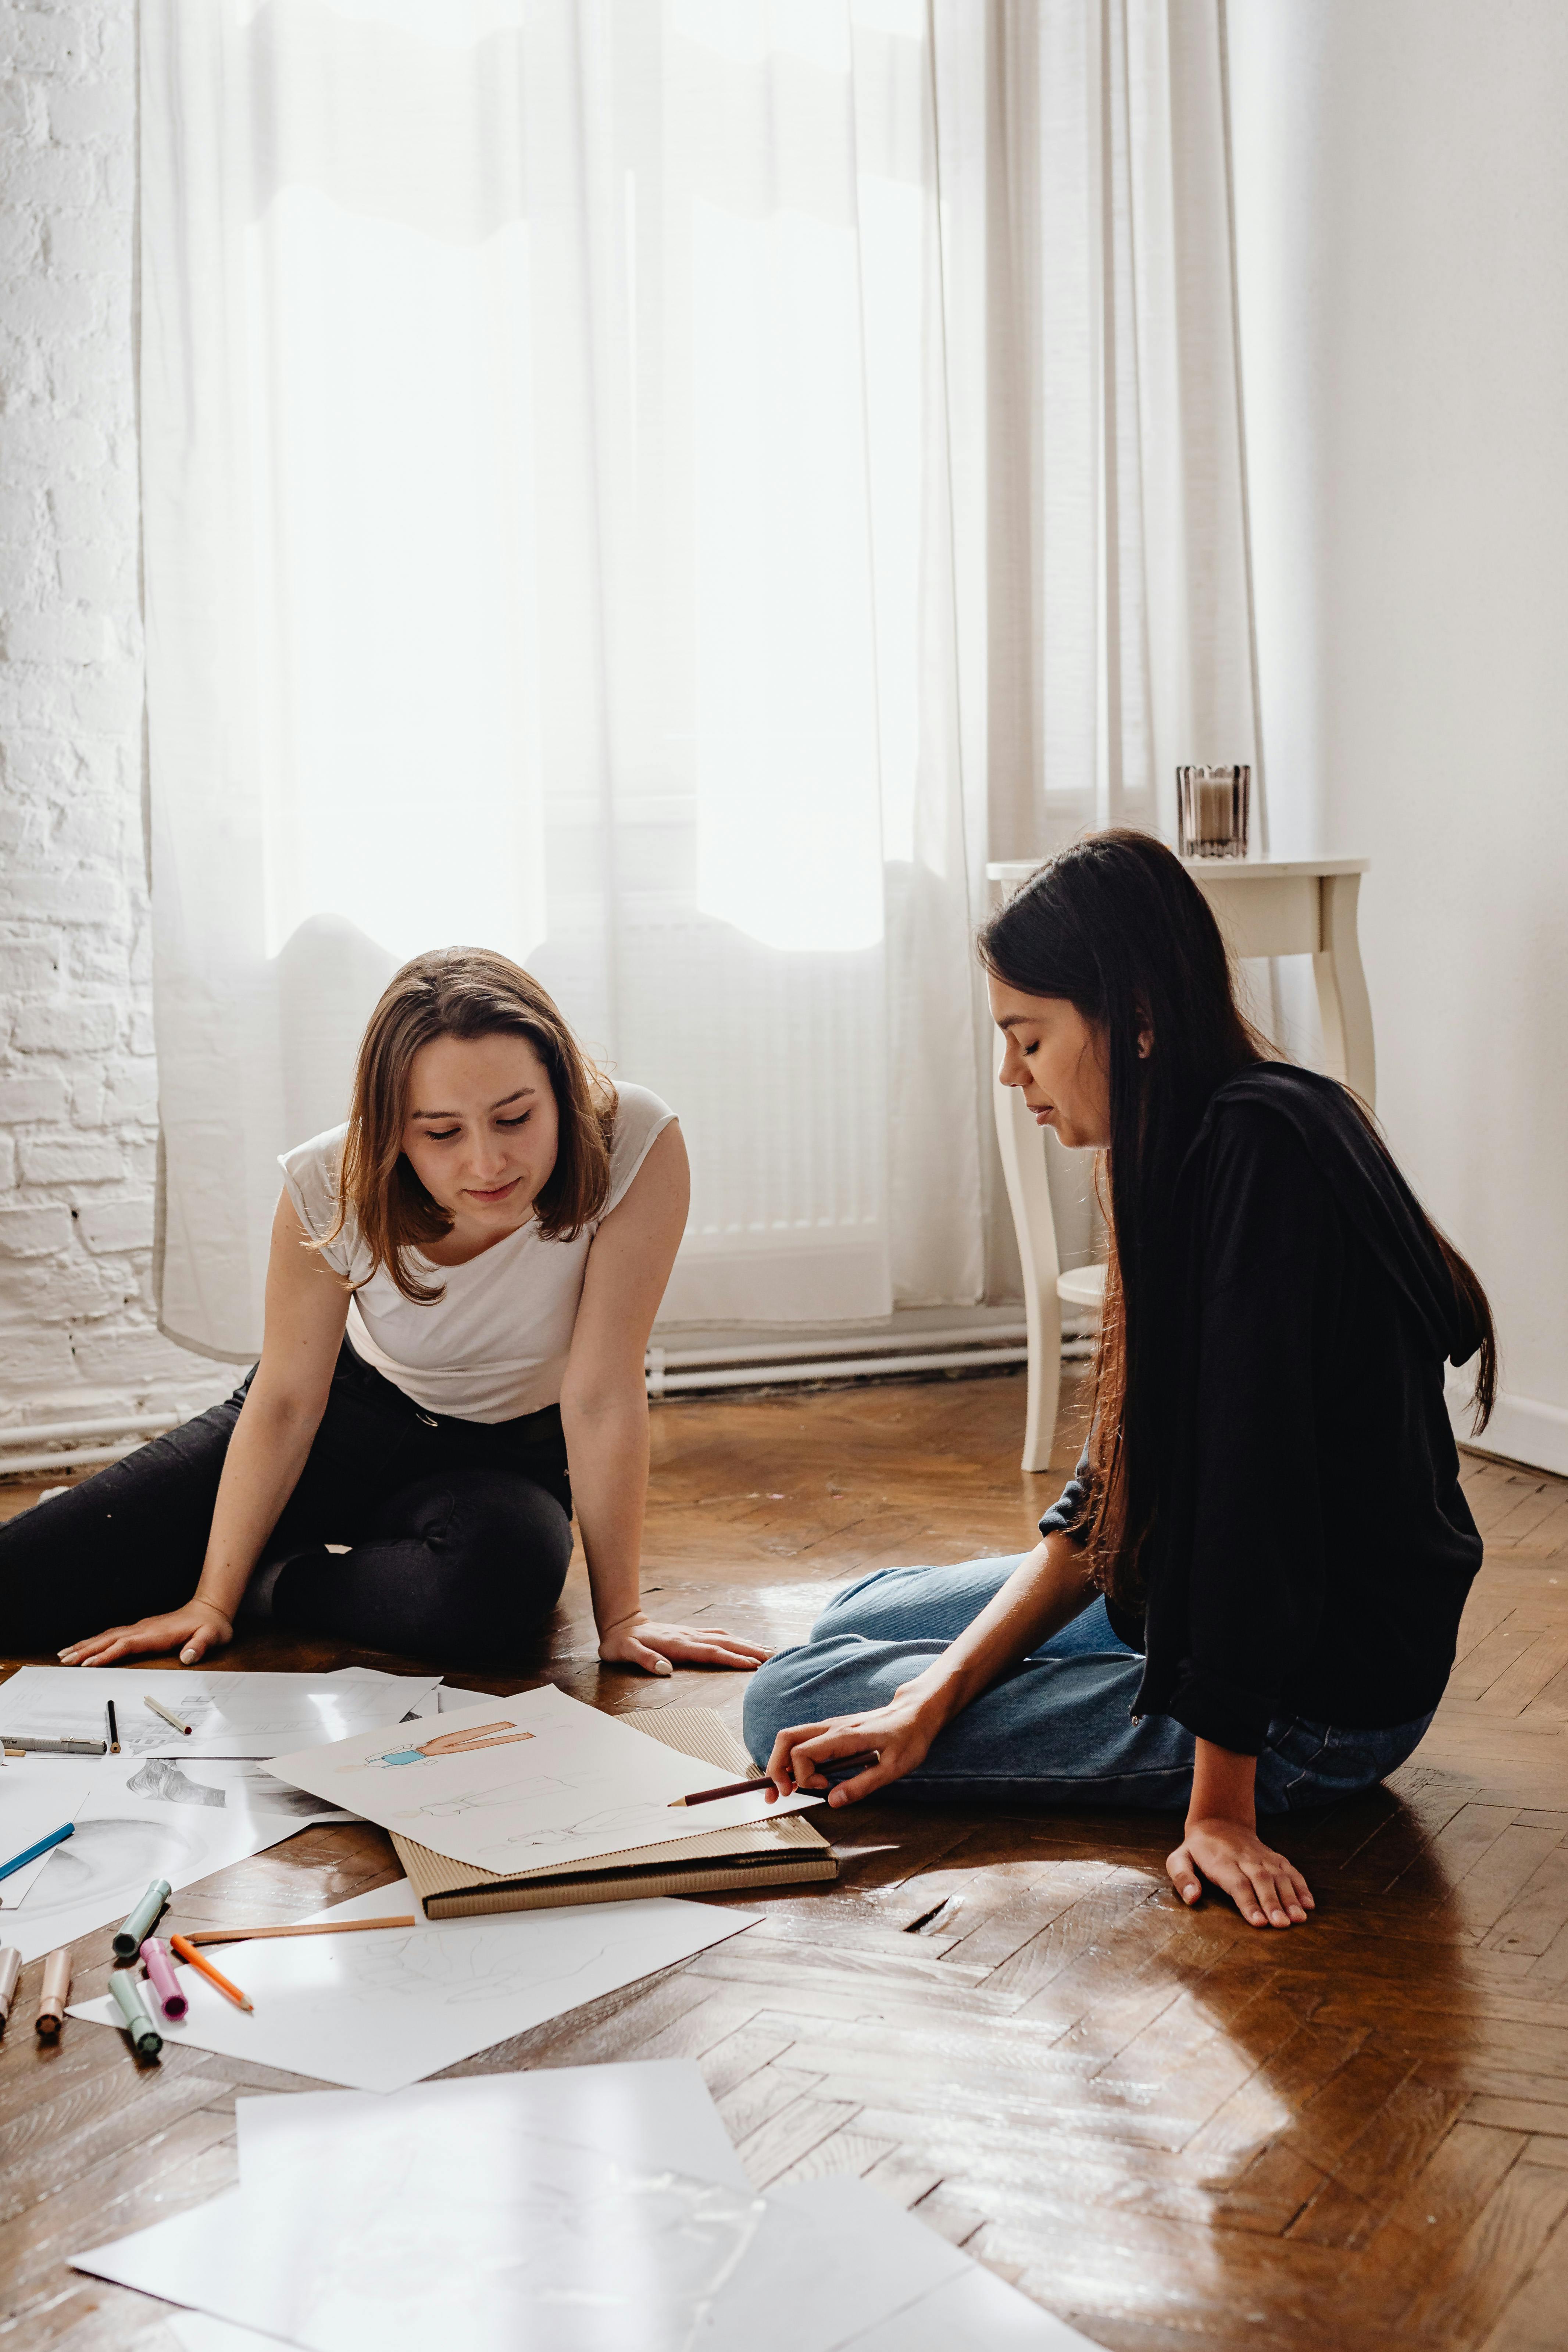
{"type": "Point", "coordinates": [145, 2038]}
{"type": "Point", "coordinates": [129, 1939]}
{"type": "Point", "coordinates": [16, 1745]}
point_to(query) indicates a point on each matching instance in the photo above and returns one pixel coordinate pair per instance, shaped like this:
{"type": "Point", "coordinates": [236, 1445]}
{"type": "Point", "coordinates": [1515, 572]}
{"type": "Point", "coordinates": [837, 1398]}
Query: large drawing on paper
{"type": "Point", "coordinates": [513, 1784]}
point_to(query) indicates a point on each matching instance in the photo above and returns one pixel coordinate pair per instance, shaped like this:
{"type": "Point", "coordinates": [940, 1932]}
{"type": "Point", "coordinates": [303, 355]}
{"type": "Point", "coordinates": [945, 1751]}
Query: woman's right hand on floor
{"type": "Point", "coordinates": [1268, 1890]}
{"type": "Point", "coordinates": [193, 1631]}
{"type": "Point", "coordinates": [901, 1733]}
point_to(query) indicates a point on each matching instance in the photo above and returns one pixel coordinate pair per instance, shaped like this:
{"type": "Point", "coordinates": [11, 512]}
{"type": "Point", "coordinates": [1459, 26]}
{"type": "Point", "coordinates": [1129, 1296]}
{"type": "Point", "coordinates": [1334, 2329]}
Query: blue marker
{"type": "Point", "coordinates": [56, 1837]}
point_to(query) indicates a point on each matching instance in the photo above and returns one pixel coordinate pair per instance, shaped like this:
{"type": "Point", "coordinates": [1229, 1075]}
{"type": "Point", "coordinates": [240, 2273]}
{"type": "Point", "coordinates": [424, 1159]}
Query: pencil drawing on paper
{"type": "Point", "coordinates": [619, 1821]}
{"type": "Point", "coordinates": [456, 1970]}
{"type": "Point", "coordinates": [466, 1742]}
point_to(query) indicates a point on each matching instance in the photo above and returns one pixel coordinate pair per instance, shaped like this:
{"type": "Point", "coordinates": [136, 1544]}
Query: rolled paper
{"type": "Point", "coordinates": [162, 1978]}
{"type": "Point", "coordinates": [129, 1939]}
{"type": "Point", "coordinates": [56, 1991]}
{"type": "Point", "coordinates": [10, 1969]}
{"type": "Point", "coordinates": [145, 2038]}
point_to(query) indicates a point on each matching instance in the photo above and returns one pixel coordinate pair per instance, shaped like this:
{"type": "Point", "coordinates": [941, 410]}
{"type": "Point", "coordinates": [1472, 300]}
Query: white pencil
{"type": "Point", "coordinates": [168, 1715]}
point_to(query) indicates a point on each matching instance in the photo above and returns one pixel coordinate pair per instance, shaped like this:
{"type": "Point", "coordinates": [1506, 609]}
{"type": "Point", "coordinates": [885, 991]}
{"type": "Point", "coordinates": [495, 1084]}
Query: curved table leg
{"type": "Point", "coordinates": [1343, 1003]}
{"type": "Point", "coordinates": [1023, 1148]}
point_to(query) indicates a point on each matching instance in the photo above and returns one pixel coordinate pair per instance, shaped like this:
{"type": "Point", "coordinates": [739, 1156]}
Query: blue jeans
{"type": "Point", "coordinates": [1055, 1731]}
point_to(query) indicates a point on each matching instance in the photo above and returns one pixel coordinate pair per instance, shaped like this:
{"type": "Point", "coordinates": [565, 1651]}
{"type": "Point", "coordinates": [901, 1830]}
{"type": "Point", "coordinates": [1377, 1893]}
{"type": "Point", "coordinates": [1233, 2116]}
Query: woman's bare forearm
{"type": "Point", "coordinates": [1049, 1588]}
{"type": "Point", "coordinates": [607, 1448]}
{"type": "Point", "coordinates": [1225, 1786]}
{"type": "Point", "coordinates": [268, 1449]}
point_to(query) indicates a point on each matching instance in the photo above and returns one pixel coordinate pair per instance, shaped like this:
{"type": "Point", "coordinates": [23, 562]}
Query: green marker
{"type": "Point", "coordinates": [129, 1939]}
{"type": "Point", "coordinates": [145, 2038]}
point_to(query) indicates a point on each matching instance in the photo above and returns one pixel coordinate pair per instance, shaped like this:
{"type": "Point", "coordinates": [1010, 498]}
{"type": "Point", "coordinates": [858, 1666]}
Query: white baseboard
{"type": "Point", "coordinates": [1522, 1429]}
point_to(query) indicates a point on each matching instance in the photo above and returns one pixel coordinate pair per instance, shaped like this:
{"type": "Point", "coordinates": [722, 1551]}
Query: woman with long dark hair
{"type": "Point", "coordinates": [1245, 1603]}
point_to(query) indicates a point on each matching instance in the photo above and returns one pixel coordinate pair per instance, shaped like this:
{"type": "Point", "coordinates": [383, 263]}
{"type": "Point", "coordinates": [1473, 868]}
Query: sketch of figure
{"type": "Point", "coordinates": [473, 1966]}
{"type": "Point", "coordinates": [621, 1820]}
{"type": "Point", "coordinates": [483, 1800]}
{"type": "Point", "coordinates": [445, 1743]}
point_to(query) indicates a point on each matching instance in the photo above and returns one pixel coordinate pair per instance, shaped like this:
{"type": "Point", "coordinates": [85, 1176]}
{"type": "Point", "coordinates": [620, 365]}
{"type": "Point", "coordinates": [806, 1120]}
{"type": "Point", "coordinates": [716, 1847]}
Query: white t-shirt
{"type": "Point", "coordinates": [497, 1344]}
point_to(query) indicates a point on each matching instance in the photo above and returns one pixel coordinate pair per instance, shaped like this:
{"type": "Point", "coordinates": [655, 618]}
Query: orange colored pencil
{"type": "Point", "coordinates": [187, 1951]}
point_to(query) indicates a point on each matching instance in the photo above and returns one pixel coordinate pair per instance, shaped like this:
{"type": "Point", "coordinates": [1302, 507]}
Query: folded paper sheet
{"type": "Point", "coordinates": [385, 2008]}
{"type": "Point", "coordinates": [513, 1784]}
{"type": "Point", "coordinates": [473, 2212]}
{"type": "Point", "coordinates": [146, 1818]}
{"type": "Point", "coordinates": [236, 1713]}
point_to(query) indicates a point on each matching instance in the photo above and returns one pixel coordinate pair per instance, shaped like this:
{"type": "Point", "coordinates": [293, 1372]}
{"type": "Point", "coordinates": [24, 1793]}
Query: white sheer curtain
{"type": "Point", "coordinates": [1104, 390]}
{"type": "Point", "coordinates": [547, 545]}
{"type": "Point", "coordinates": [664, 488]}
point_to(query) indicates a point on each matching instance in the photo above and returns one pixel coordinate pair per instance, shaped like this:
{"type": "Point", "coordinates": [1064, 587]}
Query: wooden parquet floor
{"type": "Point", "coordinates": [1170, 2128]}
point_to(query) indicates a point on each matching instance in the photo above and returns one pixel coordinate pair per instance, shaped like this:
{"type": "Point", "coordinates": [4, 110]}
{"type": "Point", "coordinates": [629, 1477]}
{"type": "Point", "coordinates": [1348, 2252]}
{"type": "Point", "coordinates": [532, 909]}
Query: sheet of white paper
{"type": "Point", "coordinates": [474, 2227]}
{"type": "Point", "coordinates": [37, 1794]}
{"type": "Point", "coordinates": [654, 2113]}
{"type": "Point", "coordinates": [235, 1714]}
{"type": "Point", "coordinates": [153, 1817]}
{"type": "Point", "coordinates": [385, 2009]}
{"type": "Point", "coordinates": [513, 1784]}
{"type": "Point", "coordinates": [447, 1698]}
{"type": "Point", "coordinates": [196, 2333]}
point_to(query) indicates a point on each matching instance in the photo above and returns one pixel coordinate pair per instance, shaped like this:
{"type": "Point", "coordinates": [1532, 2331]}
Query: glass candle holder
{"type": "Point", "coordinates": [1212, 810]}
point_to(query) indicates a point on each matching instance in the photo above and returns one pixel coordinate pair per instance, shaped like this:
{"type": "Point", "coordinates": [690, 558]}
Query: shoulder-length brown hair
{"type": "Point", "coordinates": [462, 992]}
{"type": "Point", "coordinates": [1118, 926]}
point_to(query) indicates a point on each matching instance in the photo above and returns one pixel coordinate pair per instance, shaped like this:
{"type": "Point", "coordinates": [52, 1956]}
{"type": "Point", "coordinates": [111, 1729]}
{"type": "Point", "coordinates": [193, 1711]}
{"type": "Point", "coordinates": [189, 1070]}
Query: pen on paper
{"type": "Point", "coordinates": [310, 1928]}
{"type": "Point", "coordinates": [187, 1951]}
{"type": "Point", "coordinates": [168, 1715]}
{"type": "Point", "coordinates": [31, 1854]}
{"type": "Point", "coordinates": [754, 1788]}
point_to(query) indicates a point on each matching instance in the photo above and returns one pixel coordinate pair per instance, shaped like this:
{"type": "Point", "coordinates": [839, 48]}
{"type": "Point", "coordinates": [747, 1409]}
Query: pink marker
{"type": "Point", "coordinates": [162, 1978]}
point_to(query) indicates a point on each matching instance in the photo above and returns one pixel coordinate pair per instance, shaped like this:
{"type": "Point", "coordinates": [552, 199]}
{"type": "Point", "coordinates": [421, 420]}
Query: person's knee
{"type": "Point", "coordinates": [899, 1604]}
{"type": "Point", "coordinates": [771, 1702]}
{"type": "Point", "coordinates": [819, 1679]}
{"type": "Point", "coordinates": [498, 1547]}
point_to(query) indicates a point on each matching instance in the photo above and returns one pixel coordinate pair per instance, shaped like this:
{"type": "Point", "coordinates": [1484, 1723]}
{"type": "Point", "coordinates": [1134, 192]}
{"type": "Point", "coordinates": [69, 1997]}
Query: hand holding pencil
{"type": "Point", "coordinates": [806, 1756]}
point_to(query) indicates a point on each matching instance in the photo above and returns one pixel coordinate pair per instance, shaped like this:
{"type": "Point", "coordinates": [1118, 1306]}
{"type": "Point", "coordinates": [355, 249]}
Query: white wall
{"type": "Point", "coordinates": [1402, 206]}
{"type": "Point", "coordinates": [77, 1083]}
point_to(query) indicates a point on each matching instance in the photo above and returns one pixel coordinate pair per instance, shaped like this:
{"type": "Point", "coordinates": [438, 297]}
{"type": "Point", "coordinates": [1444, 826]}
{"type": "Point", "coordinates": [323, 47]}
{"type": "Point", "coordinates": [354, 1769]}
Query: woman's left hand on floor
{"type": "Point", "coordinates": [658, 1648]}
{"type": "Point", "coordinates": [1268, 1890]}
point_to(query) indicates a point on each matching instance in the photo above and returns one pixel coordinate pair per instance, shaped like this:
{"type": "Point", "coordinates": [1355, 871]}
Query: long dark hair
{"type": "Point", "coordinates": [1118, 926]}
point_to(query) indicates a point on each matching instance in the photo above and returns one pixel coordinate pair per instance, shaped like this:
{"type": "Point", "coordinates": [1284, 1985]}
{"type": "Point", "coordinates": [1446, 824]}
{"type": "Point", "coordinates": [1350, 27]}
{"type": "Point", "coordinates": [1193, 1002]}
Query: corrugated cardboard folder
{"type": "Point", "coordinates": [781, 1853]}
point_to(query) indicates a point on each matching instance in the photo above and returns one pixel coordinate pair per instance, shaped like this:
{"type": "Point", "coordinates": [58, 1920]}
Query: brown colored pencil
{"type": "Point", "coordinates": [314, 1927]}
{"type": "Point", "coordinates": [187, 1951]}
{"type": "Point", "coordinates": [754, 1788]}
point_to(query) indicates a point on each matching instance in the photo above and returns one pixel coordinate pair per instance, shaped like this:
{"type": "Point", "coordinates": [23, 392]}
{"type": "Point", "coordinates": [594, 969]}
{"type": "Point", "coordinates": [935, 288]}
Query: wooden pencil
{"type": "Point", "coordinates": [314, 1927]}
{"type": "Point", "coordinates": [842, 1764]}
{"type": "Point", "coordinates": [187, 1951]}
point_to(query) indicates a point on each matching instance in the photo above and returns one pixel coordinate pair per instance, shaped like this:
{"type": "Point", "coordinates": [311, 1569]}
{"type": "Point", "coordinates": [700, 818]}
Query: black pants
{"type": "Point", "coordinates": [460, 1530]}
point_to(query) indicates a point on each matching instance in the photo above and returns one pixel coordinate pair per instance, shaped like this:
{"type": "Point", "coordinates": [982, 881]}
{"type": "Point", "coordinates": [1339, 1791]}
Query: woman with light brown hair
{"type": "Point", "coordinates": [462, 1282]}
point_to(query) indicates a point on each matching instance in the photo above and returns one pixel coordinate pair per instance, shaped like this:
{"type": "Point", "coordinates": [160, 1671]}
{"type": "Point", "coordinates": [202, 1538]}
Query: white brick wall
{"type": "Point", "coordinates": [78, 1081]}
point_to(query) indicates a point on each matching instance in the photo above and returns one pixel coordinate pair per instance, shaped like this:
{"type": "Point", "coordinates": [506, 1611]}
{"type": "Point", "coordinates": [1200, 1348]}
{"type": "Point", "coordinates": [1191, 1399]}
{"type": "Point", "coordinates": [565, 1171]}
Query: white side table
{"type": "Point", "coordinates": [1265, 907]}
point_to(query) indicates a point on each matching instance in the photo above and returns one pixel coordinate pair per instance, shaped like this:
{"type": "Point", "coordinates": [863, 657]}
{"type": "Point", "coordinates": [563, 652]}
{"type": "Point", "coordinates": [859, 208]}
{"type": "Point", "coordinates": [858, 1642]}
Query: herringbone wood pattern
{"type": "Point", "coordinates": [1170, 2128]}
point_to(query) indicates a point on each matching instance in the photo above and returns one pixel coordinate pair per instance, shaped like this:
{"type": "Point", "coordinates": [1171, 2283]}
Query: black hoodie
{"type": "Point", "coordinates": [1312, 1547]}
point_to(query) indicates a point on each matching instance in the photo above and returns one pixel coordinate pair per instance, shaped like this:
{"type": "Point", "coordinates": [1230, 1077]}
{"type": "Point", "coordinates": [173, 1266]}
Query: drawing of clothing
{"type": "Point", "coordinates": [443, 1743]}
